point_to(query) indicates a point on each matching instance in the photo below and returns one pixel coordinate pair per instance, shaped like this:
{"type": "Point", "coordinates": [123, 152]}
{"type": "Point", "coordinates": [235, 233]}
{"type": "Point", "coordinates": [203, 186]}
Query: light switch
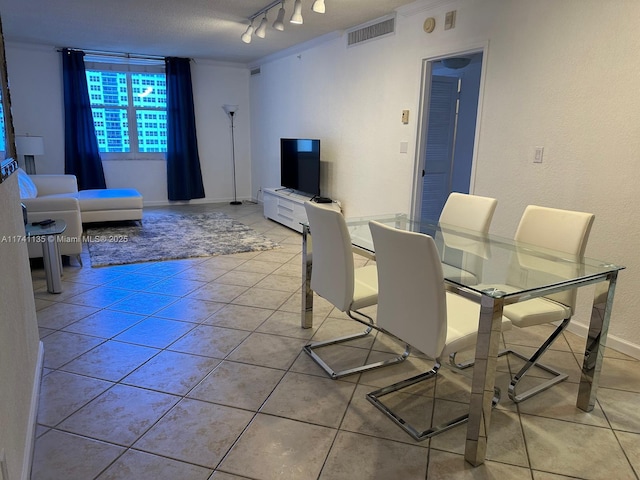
{"type": "Point", "coordinates": [404, 147]}
{"type": "Point", "coordinates": [405, 116]}
{"type": "Point", "coordinates": [538, 154]}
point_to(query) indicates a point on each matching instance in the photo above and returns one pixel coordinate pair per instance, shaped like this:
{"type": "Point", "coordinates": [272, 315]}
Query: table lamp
{"type": "Point", "coordinates": [29, 147]}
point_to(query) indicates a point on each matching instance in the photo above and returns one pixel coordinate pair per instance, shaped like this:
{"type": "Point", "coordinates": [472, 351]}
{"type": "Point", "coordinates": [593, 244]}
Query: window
{"type": "Point", "coordinates": [120, 94]}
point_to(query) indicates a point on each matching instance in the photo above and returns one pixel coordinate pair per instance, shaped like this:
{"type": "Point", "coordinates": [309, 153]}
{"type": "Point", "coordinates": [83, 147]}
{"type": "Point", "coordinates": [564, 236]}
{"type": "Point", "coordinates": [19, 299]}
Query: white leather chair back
{"type": "Point", "coordinates": [468, 211]}
{"type": "Point", "coordinates": [332, 276]}
{"type": "Point", "coordinates": [561, 230]}
{"type": "Point", "coordinates": [411, 294]}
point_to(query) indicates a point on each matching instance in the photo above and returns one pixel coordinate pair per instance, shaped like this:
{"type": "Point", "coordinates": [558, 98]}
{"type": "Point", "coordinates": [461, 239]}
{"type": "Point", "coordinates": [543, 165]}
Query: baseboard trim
{"type": "Point", "coordinates": [619, 344]}
{"type": "Point", "coordinates": [33, 415]}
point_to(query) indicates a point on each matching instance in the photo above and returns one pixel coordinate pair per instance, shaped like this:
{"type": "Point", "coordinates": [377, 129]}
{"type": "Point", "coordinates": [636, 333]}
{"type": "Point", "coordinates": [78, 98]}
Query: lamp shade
{"type": "Point", "coordinates": [297, 13]}
{"type": "Point", "coordinates": [230, 109]}
{"type": "Point", "coordinates": [318, 6]}
{"type": "Point", "coordinates": [246, 36]}
{"type": "Point", "coordinates": [279, 23]}
{"type": "Point", "coordinates": [261, 31]}
{"type": "Point", "coordinates": [28, 145]}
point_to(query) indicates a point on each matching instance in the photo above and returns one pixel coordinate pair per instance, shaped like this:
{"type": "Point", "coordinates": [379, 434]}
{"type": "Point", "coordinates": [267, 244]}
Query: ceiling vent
{"type": "Point", "coordinates": [255, 71]}
{"type": "Point", "coordinates": [369, 32]}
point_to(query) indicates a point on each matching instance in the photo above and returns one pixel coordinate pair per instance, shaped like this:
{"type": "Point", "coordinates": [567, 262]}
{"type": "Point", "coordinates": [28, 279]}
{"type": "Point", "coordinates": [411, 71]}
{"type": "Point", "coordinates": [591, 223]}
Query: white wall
{"type": "Point", "coordinates": [20, 348]}
{"type": "Point", "coordinates": [35, 74]}
{"type": "Point", "coordinates": [558, 74]}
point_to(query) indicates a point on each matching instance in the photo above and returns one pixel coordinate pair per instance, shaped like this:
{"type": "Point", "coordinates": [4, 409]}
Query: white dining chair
{"type": "Point", "coordinates": [462, 260]}
{"type": "Point", "coordinates": [335, 278]}
{"type": "Point", "coordinates": [557, 230]}
{"type": "Point", "coordinates": [414, 306]}
{"type": "Point", "coordinates": [472, 212]}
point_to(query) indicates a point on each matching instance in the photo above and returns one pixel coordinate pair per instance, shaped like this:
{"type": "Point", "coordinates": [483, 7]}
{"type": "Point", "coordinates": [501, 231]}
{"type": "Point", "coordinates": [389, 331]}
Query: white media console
{"type": "Point", "coordinates": [286, 207]}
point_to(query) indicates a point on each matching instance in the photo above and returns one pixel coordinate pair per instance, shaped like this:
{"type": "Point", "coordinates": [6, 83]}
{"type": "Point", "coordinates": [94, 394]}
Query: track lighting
{"type": "Point", "coordinates": [318, 6]}
{"type": "Point", "coordinates": [297, 13]}
{"type": "Point", "coordinates": [261, 31]}
{"type": "Point", "coordinates": [279, 23]}
{"type": "Point", "coordinates": [296, 17]}
{"type": "Point", "coordinates": [246, 36]}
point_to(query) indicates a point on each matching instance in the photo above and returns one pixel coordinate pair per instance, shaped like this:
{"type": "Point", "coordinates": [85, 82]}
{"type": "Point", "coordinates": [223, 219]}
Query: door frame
{"type": "Point", "coordinates": [423, 119]}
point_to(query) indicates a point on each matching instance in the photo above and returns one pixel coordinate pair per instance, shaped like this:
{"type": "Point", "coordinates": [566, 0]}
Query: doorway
{"type": "Point", "coordinates": [451, 90]}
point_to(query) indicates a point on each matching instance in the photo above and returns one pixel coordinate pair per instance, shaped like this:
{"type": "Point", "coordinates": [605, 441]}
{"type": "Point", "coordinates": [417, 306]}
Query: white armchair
{"type": "Point", "coordinates": [52, 196]}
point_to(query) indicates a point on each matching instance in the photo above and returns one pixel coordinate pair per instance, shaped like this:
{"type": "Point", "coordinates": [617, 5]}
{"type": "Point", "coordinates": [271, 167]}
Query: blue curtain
{"type": "Point", "coordinates": [184, 177]}
{"type": "Point", "coordinates": [81, 154]}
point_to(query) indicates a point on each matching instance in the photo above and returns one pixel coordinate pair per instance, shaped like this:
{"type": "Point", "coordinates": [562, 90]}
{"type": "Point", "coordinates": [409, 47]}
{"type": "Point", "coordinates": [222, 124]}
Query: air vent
{"type": "Point", "coordinates": [379, 29]}
{"type": "Point", "coordinates": [255, 71]}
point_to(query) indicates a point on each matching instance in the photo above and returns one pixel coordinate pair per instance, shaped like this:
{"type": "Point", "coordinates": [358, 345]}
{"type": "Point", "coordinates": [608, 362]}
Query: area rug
{"type": "Point", "coordinates": [166, 236]}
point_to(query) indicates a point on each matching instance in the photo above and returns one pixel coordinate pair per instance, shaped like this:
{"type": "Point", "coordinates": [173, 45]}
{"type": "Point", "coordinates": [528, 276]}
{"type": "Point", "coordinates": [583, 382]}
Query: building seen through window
{"type": "Point", "coordinates": [118, 96]}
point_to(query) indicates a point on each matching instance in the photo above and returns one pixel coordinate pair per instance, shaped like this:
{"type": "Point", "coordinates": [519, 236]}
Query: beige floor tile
{"type": "Point", "coordinates": [559, 402]}
{"type": "Point", "coordinates": [202, 273]}
{"type": "Point", "coordinates": [145, 466]}
{"type": "Point", "coordinates": [196, 432]}
{"type": "Point", "coordinates": [243, 279]}
{"type": "Point", "coordinates": [61, 394]}
{"type": "Point", "coordinates": [286, 324]}
{"type": "Point", "coordinates": [177, 287]}
{"type": "Point", "coordinates": [630, 443]}
{"type": "Point", "coordinates": [549, 476]}
{"type": "Point", "coordinates": [143, 303]}
{"type": "Point", "coordinates": [218, 475]}
{"type": "Point", "coordinates": [274, 447]}
{"type": "Point", "coordinates": [573, 449]}
{"type": "Point", "coordinates": [134, 281]}
{"type": "Point", "coordinates": [268, 351]}
{"type": "Point", "coordinates": [263, 298]}
{"type": "Point", "coordinates": [101, 297]}
{"type": "Point", "coordinates": [155, 332]}
{"type": "Point", "coordinates": [104, 323]}
{"type": "Point", "coordinates": [190, 310]}
{"type": "Point", "coordinates": [355, 456]}
{"type": "Point", "coordinates": [172, 372]}
{"type": "Point", "coordinates": [620, 374]}
{"type": "Point", "coordinates": [534, 337]}
{"type": "Point", "coordinates": [621, 409]}
{"type": "Point", "coordinates": [62, 347]}
{"type": "Point", "coordinates": [111, 361]}
{"type": "Point", "coordinates": [310, 399]}
{"type": "Point", "coordinates": [446, 466]}
{"type": "Point", "coordinates": [121, 415]}
{"type": "Point", "coordinates": [210, 341]}
{"type": "Point", "coordinates": [258, 266]}
{"type": "Point", "coordinates": [168, 268]}
{"type": "Point", "coordinates": [60, 315]}
{"type": "Point", "coordinates": [238, 385]}
{"type": "Point", "coordinates": [218, 292]}
{"type": "Point", "coordinates": [60, 455]}
{"type": "Point", "coordinates": [285, 283]}
{"type": "Point", "coordinates": [240, 317]}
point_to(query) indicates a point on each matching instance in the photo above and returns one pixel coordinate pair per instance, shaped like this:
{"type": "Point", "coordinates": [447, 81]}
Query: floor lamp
{"type": "Point", "coordinates": [231, 110]}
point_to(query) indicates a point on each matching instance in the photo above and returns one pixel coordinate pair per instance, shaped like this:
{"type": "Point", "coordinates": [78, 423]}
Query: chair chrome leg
{"type": "Point", "coordinates": [533, 360]}
{"type": "Point", "coordinates": [309, 350]}
{"type": "Point", "coordinates": [79, 260]}
{"type": "Point", "coordinates": [375, 398]}
{"type": "Point", "coordinates": [530, 362]}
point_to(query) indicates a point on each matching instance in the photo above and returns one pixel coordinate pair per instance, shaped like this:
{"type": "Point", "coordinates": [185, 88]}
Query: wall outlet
{"type": "Point", "coordinates": [538, 153]}
{"type": "Point", "coordinates": [450, 20]}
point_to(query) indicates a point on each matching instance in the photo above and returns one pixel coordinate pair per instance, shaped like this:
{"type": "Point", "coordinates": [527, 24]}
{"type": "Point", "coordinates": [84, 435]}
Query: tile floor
{"type": "Point", "coordinates": [192, 369]}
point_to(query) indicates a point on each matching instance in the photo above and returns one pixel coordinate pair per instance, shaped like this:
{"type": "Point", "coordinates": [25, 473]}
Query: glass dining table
{"type": "Point", "coordinates": [494, 272]}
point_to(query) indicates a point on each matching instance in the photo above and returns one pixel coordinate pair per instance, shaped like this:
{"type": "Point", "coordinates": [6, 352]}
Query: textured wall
{"type": "Point", "coordinates": [558, 74]}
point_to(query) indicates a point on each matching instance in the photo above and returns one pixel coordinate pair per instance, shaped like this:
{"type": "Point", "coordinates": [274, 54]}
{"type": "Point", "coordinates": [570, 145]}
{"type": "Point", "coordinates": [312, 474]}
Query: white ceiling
{"type": "Point", "coordinates": [208, 29]}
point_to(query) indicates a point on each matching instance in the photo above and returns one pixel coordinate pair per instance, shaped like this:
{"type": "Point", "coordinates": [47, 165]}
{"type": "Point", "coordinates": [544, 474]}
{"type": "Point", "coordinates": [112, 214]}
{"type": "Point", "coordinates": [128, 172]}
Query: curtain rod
{"type": "Point", "coordinates": [115, 54]}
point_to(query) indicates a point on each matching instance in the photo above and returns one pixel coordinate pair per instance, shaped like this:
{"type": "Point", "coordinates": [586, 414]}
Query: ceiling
{"type": "Point", "coordinates": [205, 29]}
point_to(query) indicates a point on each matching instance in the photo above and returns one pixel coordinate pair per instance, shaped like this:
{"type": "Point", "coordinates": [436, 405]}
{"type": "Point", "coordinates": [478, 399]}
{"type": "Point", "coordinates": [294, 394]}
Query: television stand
{"type": "Point", "coordinates": [286, 207]}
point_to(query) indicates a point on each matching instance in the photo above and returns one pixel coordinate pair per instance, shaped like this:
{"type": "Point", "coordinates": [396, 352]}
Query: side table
{"type": "Point", "coordinates": [47, 236]}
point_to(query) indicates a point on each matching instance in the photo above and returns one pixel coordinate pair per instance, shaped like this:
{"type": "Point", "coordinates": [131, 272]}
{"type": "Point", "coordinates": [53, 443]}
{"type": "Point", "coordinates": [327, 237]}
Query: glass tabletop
{"type": "Point", "coordinates": [55, 228]}
{"type": "Point", "coordinates": [489, 264]}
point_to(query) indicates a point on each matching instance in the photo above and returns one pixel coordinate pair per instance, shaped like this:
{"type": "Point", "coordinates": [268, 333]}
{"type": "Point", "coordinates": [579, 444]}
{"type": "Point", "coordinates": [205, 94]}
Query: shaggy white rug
{"type": "Point", "coordinates": [169, 236]}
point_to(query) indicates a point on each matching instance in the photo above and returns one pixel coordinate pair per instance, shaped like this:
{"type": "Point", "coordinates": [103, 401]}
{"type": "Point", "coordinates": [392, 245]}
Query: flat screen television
{"type": "Point", "coordinates": [300, 164]}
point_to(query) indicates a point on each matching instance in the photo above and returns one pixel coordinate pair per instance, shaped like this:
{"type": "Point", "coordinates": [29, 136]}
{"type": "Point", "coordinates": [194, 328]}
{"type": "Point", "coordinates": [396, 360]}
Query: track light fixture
{"type": "Point", "coordinates": [279, 23]}
{"type": "Point", "coordinates": [296, 18]}
{"type": "Point", "coordinates": [261, 31]}
{"type": "Point", "coordinates": [318, 6]}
